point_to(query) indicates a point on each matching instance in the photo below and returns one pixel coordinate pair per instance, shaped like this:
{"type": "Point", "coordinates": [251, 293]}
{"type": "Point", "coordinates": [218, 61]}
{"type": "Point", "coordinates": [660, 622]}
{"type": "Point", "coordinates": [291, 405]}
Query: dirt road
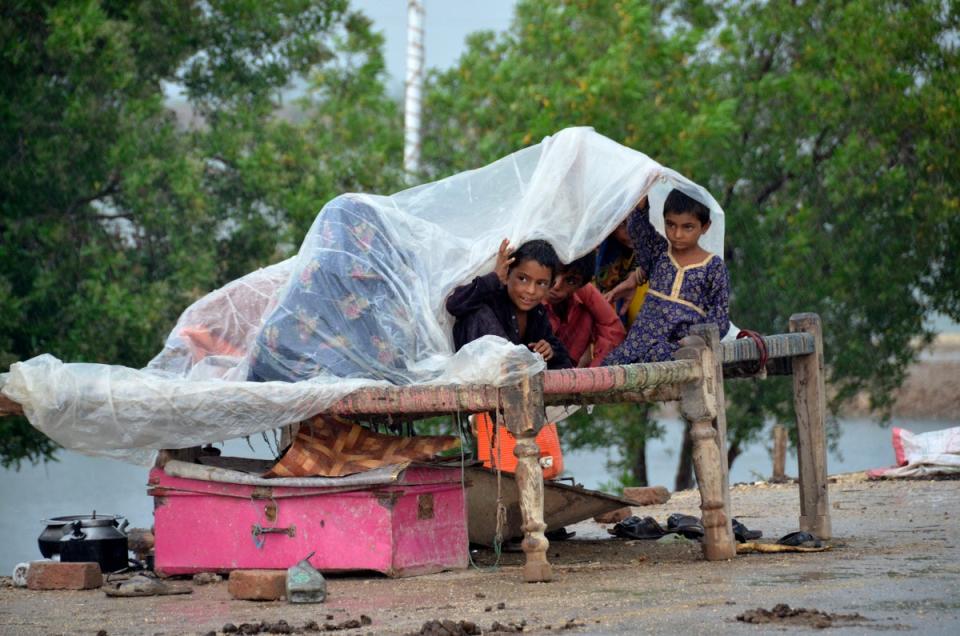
{"type": "Point", "coordinates": [895, 562]}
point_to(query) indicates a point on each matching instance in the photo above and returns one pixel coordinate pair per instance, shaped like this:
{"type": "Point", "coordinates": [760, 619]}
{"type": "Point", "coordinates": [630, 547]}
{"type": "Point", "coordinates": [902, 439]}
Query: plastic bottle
{"type": "Point", "coordinates": [305, 584]}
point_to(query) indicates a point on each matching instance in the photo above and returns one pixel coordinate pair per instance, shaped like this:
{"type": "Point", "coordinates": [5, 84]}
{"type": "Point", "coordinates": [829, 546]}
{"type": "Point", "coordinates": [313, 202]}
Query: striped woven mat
{"type": "Point", "coordinates": [331, 446]}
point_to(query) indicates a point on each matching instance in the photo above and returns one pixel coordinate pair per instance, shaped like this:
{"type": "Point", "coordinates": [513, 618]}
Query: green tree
{"type": "Point", "coordinates": [114, 213]}
{"type": "Point", "coordinates": [845, 179]}
{"type": "Point", "coordinates": [825, 130]}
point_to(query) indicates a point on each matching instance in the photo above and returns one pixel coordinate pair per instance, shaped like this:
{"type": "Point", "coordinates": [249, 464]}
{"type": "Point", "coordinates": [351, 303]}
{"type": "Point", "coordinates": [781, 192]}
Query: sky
{"type": "Point", "coordinates": [446, 26]}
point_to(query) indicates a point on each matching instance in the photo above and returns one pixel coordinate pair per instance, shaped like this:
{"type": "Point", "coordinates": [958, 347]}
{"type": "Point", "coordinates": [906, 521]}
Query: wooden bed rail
{"type": "Point", "coordinates": [695, 378]}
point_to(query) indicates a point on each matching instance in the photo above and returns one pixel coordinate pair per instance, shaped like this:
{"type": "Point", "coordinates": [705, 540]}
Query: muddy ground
{"type": "Point", "coordinates": [894, 566]}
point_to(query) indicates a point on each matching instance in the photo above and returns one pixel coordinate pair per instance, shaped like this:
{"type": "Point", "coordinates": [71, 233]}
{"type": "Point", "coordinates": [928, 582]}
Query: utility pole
{"type": "Point", "coordinates": [413, 89]}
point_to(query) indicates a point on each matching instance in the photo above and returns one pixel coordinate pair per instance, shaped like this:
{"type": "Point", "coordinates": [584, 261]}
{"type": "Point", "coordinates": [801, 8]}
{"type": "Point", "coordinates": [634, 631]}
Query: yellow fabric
{"type": "Point", "coordinates": [637, 303]}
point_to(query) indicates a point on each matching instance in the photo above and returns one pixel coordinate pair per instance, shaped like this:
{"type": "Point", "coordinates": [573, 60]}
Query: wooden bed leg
{"type": "Point", "coordinates": [698, 404]}
{"type": "Point", "coordinates": [711, 337]}
{"type": "Point", "coordinates": [809, 399]}
{"type": "Point", "coordinates": [523, 415]}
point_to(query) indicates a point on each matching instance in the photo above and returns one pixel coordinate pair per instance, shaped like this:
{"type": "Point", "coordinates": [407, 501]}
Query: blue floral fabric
{"type": "Point", "coordinates": [326, 321]}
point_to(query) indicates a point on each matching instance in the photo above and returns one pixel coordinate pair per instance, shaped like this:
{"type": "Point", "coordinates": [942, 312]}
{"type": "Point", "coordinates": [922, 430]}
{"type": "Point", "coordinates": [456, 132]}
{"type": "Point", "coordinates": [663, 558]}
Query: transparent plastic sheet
{"type": "Point", "coordinates": [361, 303]}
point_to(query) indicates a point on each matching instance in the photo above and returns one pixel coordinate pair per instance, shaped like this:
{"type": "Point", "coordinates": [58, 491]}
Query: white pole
{"type": "Point", "coordinates": [414, 87]}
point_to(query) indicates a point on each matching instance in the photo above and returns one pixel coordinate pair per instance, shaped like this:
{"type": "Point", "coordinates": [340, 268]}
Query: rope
{"type": "Point", "coordinates": [501, 509]}
{"type": "Point", "coordinates": [463, 489]}
{"type": "Point", "coordinates": [758, 340]}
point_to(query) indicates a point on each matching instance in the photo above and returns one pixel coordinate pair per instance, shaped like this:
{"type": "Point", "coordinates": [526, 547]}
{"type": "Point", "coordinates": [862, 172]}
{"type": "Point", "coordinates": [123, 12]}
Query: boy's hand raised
{"type": "Point", "coordinates": [504, 259]}
{"type": "Point", "coordinates": [543, 348]}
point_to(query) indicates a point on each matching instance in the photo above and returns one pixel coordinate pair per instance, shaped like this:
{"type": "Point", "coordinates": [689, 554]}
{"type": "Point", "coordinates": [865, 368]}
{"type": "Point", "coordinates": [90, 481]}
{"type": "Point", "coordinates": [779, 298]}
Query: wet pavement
{"type": "Point", "coordinates": [895, 562]}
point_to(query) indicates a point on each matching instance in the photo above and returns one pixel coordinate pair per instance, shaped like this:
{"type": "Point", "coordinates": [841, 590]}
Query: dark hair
{"type": "Point", "coordinates": [539, 251]}
{"type": "Point", "coordinates": [582, 267]}
{"type": "Point", "coordinates": [678, 203]}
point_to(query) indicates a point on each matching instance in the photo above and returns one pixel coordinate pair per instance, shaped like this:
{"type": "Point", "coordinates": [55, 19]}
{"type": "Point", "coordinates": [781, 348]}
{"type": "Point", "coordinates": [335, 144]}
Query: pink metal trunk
{"type": "Point", "coordinates": [416, 525]}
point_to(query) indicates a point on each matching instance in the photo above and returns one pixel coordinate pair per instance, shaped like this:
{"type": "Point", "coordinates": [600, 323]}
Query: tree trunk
{"type": "Point", "coordinates": [639, 468]}
{"type": "Point", "coordinates": [684, 480]}
{"type": "Point", "coordinates": [733, 452]}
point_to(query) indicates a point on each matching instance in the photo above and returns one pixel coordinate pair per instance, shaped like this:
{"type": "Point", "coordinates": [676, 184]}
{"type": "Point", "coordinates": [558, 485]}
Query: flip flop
{"type": "Point", "coordinates": [145, 586]}
{"type": "Point", "coordinates": [753, 546]}
{"type": "Point", "coordinates": [742, 534]}
{"type": "Point", "coordinates": [800, 539]}
{"type": "Point", "coordinates": [687, 525]}
{"type": "Point", "coordinates": [634, 527]}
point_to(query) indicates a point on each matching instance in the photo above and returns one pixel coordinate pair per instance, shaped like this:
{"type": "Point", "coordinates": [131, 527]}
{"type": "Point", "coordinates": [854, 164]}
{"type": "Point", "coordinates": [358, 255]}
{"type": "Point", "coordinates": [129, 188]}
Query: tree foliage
{"type": "Point", "coordinates": [827, 131]}
{"type": "Point", "coordinates": [118, 208]}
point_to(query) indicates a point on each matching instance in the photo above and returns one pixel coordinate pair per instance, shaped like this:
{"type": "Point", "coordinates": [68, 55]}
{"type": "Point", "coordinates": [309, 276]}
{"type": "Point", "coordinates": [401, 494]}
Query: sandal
{"type": "Point", "coordinates": [687, 525]}
{"type": "Point", "coordinates": [800, 539]}
{"type": "Point", "coordinates": [742, 534]}
{"type": "Point", "coordinates": [634, 527]}
{"type": "Point", "coordinates": [145, 586]}
{"type": "Point", "coordinates": [560, 534]}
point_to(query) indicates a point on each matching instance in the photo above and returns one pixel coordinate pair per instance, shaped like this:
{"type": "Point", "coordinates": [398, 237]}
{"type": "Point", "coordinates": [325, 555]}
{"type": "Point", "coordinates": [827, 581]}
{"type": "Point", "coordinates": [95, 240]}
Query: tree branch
{"type": "Point", "coordinates": [111, 187]}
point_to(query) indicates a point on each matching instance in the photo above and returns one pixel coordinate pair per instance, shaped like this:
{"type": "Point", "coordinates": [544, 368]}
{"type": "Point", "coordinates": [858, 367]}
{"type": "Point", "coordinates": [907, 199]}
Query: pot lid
{"type": "Point", "coordinates": [85, 520]}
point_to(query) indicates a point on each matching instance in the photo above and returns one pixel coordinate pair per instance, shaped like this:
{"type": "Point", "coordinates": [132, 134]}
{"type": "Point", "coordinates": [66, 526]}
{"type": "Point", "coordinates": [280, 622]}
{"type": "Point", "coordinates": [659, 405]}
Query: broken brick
{"type": "Point", "coordinates": [614, 516]}
{"type": "Point", "coordinates": [257, 585]}
{"type": "Point", "coordinates": [54, 575]}
{"type": "Point", "coordinates": [647, 495]}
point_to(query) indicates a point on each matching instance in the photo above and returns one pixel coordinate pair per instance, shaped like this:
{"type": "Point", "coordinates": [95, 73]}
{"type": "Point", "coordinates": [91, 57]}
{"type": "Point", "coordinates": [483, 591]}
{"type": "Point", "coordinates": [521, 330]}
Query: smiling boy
{"type": "Point", "coordinates": [507, 302]}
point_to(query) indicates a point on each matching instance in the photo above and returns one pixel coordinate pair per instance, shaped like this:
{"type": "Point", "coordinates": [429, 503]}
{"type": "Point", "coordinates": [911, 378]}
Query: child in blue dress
{"type": "Point", "coordinates": [688, 285]}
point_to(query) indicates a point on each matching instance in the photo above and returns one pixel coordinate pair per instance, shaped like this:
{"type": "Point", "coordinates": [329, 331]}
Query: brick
{"type": "Point", "coordinates": [647, 495]}
{"type": "Point", "coordinates": [614, 516]}
{"type": "Point", "coordinates": [258, 585]}
{"type": "Point", "coordinates": [53, 575]}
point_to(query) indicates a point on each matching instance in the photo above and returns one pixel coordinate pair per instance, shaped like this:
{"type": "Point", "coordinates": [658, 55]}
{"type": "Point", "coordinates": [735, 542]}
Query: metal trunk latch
{"type": "Point", "coordinates": [257, 531]}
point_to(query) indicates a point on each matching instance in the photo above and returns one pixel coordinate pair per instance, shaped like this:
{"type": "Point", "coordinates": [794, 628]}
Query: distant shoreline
{"type": "Point", "coordinates": [931, 389]}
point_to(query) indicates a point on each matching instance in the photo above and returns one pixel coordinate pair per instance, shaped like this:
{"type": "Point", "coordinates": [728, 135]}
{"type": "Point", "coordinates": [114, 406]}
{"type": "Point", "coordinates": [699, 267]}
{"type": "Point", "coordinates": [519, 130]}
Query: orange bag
{"type": "Point", "coordinates": [551, 457]}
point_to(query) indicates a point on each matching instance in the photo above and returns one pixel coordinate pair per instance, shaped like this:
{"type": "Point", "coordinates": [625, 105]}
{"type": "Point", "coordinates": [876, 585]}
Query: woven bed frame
{"type": "Point", "coordinates": [695, 379]}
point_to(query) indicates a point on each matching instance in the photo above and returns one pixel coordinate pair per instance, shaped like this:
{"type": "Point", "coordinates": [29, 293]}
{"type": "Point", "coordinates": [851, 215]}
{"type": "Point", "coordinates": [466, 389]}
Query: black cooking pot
{"type": "Point", "coordinates": [96, 538]}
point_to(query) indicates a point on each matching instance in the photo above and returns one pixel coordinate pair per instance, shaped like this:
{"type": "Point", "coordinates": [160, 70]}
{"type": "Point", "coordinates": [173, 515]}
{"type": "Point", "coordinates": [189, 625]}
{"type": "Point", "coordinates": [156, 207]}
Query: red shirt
{"type": "Point", "coordinates": [589, 319]}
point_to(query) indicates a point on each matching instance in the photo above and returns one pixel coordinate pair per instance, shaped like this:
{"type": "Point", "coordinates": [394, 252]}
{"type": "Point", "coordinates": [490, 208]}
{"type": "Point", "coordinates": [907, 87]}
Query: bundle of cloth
{"type": "Point", "coordinates": [922, 454]}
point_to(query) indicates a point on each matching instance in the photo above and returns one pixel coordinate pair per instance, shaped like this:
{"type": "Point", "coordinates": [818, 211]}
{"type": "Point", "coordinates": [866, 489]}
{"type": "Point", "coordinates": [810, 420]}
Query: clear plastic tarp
{"type": "Point", "coordinates": [361, 303]}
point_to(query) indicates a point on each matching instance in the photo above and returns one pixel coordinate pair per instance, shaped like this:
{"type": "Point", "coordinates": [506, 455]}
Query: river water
{"type": "Point", "coordinates": [77, 484]}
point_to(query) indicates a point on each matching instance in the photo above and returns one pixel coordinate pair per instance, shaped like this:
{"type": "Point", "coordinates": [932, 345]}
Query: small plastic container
{"type": "Point", "coordinates": [305, 584]}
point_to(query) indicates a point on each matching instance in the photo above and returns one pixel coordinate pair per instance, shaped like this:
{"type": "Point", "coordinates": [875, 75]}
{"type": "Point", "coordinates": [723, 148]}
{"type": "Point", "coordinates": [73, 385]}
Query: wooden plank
{"type": "Point", "coordinates": [809, 399]}
{"type": "Point", "coordinates": [563, 504]}
{"type": "Point", "coordinates": [666, 393]}
{"type": "Point", "coordinates": [627, 377]}
{"type": "Point", "coordinates": [432, 399]}
{"type": "Point", "coordinates": [604, 382]}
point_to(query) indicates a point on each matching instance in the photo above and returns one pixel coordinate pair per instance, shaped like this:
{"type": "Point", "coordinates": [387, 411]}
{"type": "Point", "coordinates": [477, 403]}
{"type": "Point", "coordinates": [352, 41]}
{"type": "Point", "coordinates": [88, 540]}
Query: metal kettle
{"type": "Point", "coordinates": [98, 540]}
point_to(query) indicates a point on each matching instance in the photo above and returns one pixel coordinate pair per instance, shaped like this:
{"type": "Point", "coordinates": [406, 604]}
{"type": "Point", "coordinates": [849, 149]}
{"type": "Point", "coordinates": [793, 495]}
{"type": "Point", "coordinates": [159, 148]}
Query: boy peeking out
{"type": "Point", "coordinates": [508, 302]}
{"type": "Point", "coordinates": [584, 322]}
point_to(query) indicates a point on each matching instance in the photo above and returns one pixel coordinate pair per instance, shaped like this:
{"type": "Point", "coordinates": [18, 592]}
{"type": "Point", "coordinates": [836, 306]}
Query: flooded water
{"type": "Point", "coordinates": [77, 484]}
